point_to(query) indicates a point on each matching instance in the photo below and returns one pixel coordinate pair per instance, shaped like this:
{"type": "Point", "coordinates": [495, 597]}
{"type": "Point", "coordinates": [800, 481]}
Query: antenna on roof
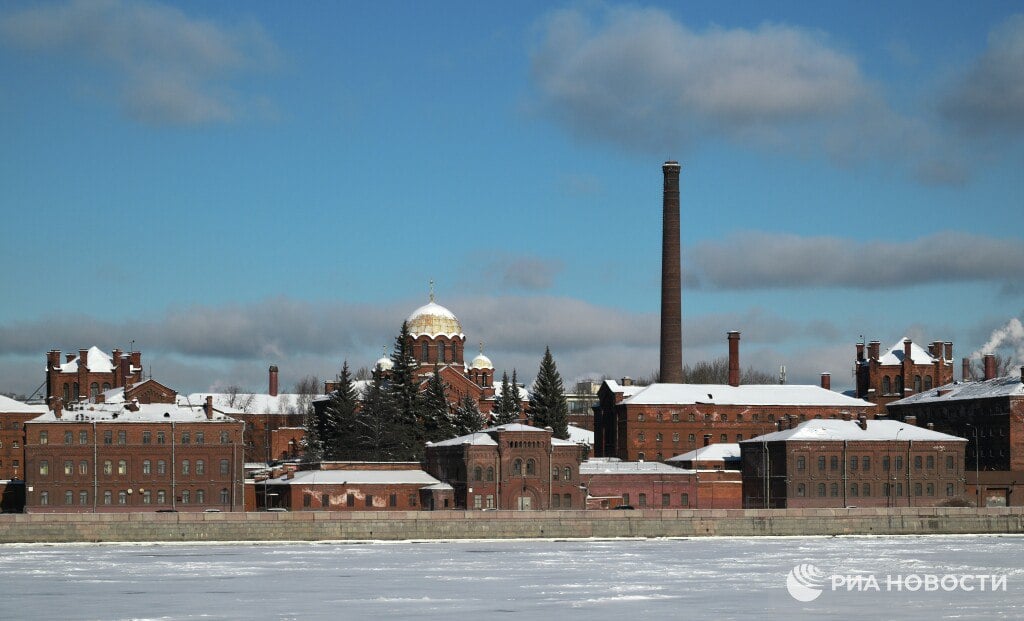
{"type": "Point", "coordinates": [131, 345]}
{"type": "Point", "coordinates": [431, 289]}
{"type": "Point", "coordinates": [782, 374]}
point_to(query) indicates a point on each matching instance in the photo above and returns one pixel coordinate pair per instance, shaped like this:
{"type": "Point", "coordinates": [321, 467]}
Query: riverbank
{"type": "Point", "coordinates": [313, 526]}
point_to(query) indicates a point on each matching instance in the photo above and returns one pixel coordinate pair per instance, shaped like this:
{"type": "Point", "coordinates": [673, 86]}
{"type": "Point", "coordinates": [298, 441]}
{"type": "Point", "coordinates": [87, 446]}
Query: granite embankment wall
{"type": "Point", "coordinates": [312, 526]}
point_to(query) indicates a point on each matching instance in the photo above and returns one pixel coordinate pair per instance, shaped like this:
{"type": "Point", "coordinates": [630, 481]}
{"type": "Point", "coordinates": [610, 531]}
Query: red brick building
{"type": "Point", "coordinates": [904, 369]}
{"type": "Point", "coordinates": [721, 456]}
{"type": "Point", "coordinates": [90, 373]}
{"type": "Point", "coordinates": [114, 457]}
{"type": "Point", "coordinates": [13, 415]}
{"type": "Point", "coordinates": [513, 466]}
{"type": "Point", "coordinates": [286, 443]}
{"type": "Point", "coordinates": [352, 486]}
{"type": "Point", "coordinates": [989, 414]}
{"type": "Point", "coordinates": [660, 421]}
{"type": "Point", "coordinates": [610, 483]}
{"type": "Point", "coordinates": [841, 463]}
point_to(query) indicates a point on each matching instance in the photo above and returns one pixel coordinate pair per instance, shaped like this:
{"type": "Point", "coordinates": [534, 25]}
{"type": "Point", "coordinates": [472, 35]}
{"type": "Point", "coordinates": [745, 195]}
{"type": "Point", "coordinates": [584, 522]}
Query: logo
{"type": "Point", "coordinates": [805, 582]}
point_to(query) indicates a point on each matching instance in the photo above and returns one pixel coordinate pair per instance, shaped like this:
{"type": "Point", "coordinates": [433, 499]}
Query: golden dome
{"type": "Point", "coordinates": [433, 320]}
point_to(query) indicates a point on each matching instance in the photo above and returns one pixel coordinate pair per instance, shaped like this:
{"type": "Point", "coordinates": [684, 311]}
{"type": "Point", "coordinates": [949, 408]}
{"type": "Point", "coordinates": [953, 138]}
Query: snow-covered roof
{"type": "Point", "coordinates": [627, 391]}
{"type": "Point", "coordinates": [147, 413]}
{"type": "Point", "coordinates": [98, 362]}
{"type": "Point", "coordinates": [600, 466]}
{"type": "Point", "coordinates": [725, 451]}
{"type": "Point", "coordinates": [485, 437]}
{"type": "Point", "coordinates": [747, 394]}
{"type": "Point", "coordinates": [895, 354]}
{"type": "Point", "coordinates": [252, 403]}
{"type": "Point", "coordinates": [479, 438]}
{"type": "Point", "coordinates": [1008, 386]}
{"type": "Point", "coordinates": [579, 434]}
{"type": "Point", "coordinates": [356, 477]}
{"type": "Point", "coordinates": [839, 430]}
{"type": "Point", "coordinates": [13, 406]}
{"type": "Point", "coordinates": [524, 394]}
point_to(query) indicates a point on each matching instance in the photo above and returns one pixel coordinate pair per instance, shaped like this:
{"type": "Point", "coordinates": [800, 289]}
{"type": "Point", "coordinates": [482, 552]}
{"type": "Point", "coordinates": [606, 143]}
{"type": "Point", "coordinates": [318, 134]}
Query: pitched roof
{"type": "Point", "coordinates": [895, 354]}
{"type": "Point", "coordinates": [356, 477]}
{"type": "Point", "coordinates": [725, 451]}
{"type": "Point", "coordinates": [746, 394]}
{"type": "Point", "coordinates": [147, 413]}
{"type": "Point", "coordinates": [602, 466]}
{"type": "Point", "coordinates": [840, 430]}
{"type": "Point", "coordinates": [1008, 386]}
{"type": "Point", "coordinates": [13, 406]}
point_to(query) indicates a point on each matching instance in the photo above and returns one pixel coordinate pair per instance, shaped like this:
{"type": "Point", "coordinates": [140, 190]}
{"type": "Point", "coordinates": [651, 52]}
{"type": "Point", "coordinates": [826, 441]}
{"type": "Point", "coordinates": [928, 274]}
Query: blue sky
{"type": "Point", "coordinates": [233, 185]}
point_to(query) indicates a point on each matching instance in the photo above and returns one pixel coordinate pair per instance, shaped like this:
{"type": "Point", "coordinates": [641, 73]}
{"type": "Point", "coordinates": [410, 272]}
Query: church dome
{"type": "Point", "coordinates": [384, 364]}
{"type": "Point", "coordinates": [481, 362]}
{"type": "Point", "coordinates": [433, 320]}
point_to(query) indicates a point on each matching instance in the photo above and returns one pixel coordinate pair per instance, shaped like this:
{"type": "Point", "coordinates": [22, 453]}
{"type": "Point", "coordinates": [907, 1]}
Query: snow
{"type": "Point", "coordinates": [12, 406]}
{"type": "Point", "coordinates": [479, 438]}
{"type": "Point", "coordinates": [147, 413]}
{"type": "Point", "coordinates": [438, 321]}
{"type": "Point", "coordinates": [356, 477]}
{"type": "Point", "coordinates": [1008, 386]}
{"type": "Point", "coordinates": [747, 394]}
{"type": "Point", "coordinates": [593, 580]}
{"type": "Point", "coordinates": [524, 395]}
{"type": "Point", "coordinates": [580, 435]}
{"type": "Point", "coordinates": [626, 391]}
{"type": "Point", "coordinates": [601, 466]}
{"type": "Point", "coordinates": [895, 354]}
{"type": "Point", "coordinates": [841, 430]}
{"type": "Point", "coordinates": [725, 451]}
{"type": "Point", "coordinates": [254, 403]}
{"type": "Point", "coordinates": [99, 362]}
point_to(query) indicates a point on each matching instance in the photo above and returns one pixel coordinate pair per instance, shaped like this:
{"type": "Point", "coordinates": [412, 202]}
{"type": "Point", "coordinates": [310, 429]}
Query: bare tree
{"type": "Point", "coordinates": [362, 373]}
{"type": "Point", "coordinates": [305, 389]}
{"type": "Point", "coordinates": [711, 372]}
{"type": "Point", "coordinates": [236, 397]}
{"type": "Point", "coordinates": [1004, 366]}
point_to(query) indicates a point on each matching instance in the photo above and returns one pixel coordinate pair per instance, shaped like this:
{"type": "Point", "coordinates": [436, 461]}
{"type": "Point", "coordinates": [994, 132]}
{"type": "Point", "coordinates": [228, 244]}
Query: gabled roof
{"type": "Point", "coordinates": [725, 451]}
{"type": "Point", "coordinates": [840, 430]}
{"type": "Point", "coordinates": [147, 413]}
{"type": "Point", "coordinates": [99, 362]}
{"type": "Point", "coordinates": [746, 394]}
{"type": "Point", "coordinates": [895, 354]}
{"type": "Point", "coordinates": [1008, 386]}
{"type": "Point", "coordinates": [626, 391]}
{"type": "Point", "coordinates": [13, 406]}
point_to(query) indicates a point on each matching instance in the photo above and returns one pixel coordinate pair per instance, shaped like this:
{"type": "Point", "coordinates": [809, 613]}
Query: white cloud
{"type": "Point", "coordinates": [170, 68]}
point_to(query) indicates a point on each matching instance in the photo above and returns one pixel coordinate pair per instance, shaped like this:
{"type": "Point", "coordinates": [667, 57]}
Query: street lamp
{"type": "Point", "coordinates": [893, 464]}
{"type": "Point", "coordinates": [977, 469]}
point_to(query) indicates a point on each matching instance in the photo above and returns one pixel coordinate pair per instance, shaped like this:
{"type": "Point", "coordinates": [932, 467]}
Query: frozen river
{"type": "Point", "coordinates": [622, 579]}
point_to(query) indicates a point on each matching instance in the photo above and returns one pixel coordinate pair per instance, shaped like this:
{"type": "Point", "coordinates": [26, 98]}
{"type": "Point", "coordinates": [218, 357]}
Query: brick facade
{"type": "Point", "coordinates": [349, 486]}
{"type": "Point", "coordinates": [903, 370]}
{"type": "Point", "coordinates": [90, 373]}
{"type": "Point", "coordinates": [651, 485]}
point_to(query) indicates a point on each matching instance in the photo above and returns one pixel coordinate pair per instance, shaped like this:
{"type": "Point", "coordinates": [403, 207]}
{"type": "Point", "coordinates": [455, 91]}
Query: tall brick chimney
{"type": "Point", "coordinates": [734, 358]}
{"type": "Point", "coordinates": [208, 407]}
{"type": "Point", "coordinates": [873, 349]}
{"type": "Point", "coordinates": [860, 351]}
{"type": "Point", "coordinates": [948, 347]}
{"type": "Point", "coordinates": [826, 381]}
{"type": "Point", "coordinates": [965, 369]}
{"type": "Point", "coordinates": [272, 389]}
{"type": "Point", "coordinates": [671, 279]}
{"type": "Point", "coordinates": [990, 366]}
{"type": "Point", "coordinates": [57, 405]}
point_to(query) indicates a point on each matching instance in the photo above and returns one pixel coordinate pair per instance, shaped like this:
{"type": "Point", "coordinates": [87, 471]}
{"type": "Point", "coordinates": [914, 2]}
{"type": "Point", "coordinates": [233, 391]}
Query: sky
{"type": "Point", "coordinates": [226, 186]}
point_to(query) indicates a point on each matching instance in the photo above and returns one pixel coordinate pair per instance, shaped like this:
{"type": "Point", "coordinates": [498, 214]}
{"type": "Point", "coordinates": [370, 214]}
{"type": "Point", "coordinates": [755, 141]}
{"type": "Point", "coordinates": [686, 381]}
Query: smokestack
{"type": "Point", "coordinates": [990, 366]}
{"type": "Point", "coordinates": [671, 280]}
{"type": "Point", "coordinates": [948, 346]}
{"type": "Point", "coordinates": [965, 371]}
{"type": "Point", "coordinates": [826, 381]}
{"type": "Point", "coordinates": [272, 389]}
{"type": "Point", "coordinates": [734, 358]}
{"type": "Point", "coordinates": [873, 348]}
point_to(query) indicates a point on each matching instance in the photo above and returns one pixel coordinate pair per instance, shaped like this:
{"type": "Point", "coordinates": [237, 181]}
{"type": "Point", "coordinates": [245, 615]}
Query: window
{"type": "Point", "coordinates": [67, 393]}
{"type": "Point", "coordinates": [108, 437]}
{"type": "Point", "coordinates": [122, 498]}
{"type": "Point", "coordinates": [122, 467]}
{"type": "Point", "coordinates": [664, 500]}
{"type": "Point", "coordinates": [854, 462]}
{"type": "Point", "coordinates": [657, 437]}
{"type": "Point", "coordinates": [200, 437]}
{"type": "Point", "coordinates": [821, 464]}
{"type": "Point", "coordinates": [567, 473]}
{"type": "Point", "coordinates": [554, 473]}
{"type": "Point", "coordinates": [201, 496]}
{"type": "Point", "coordinates": [853, 489]}
{"type": "Point", "coordinates": [186, 437]}
{"type": "Point", "coordinates": [899, 489]}
{"type": "Point", "coordinates": [691, 438]}
{"type": "Point", "coordinates": [478, 473]}
{"type": "Point", "coordinates": [478, 501]}
{"type": "Point", "coordinates": [640, 417]}
{"type": "Point", "coordinates": [834, 489]}
{"type": "Point", "coordinates": [44, 498]}
{"type": "Point", "coordinates": [440, 352]}
{"type": "Point", "coordinates": [200, 466]}
{"type": "Point", "coordinates": [801, 463]}
{"type": "Point", "coordinates": [949, 489]}
{"type": "Point", "coordinates": [161, 497]}
{"type": "Point", "coordinates": [690, 417]}
{"type": "Point", "coordinates": [899, 463]}
{"type": "Point", "coordinates": [490, 473]}
{"type": "Point", "coordinates": [69, 497]}
{"type": "Point", "coordinates": [643, 500]}
{"type": "Point", "coordinates": [833, 463]}
{"type": "Point", "coordinates": [122, 437]}
{"type": "Point", "coordinates": [675, 438]}
{"type": "Point", "coordinates": [108, 498]}
{"type": "Point", "coordinates": [186, 497]}
{"type": "Point", "coordinates": [929, 462]}
{"type": "Point", "coordinates": [186, 466]}
{"type": "Point", "coordinates": [556, 501]}
{"type": "Point", "coordinates": [369, 500]}
{"type": "Point", "coordinates": [147, 497]}
{"type": "Point", "coordinates": [739, 437]}
{"type": "Point", "coordinates": [927, 382]}
{"type": "Point", "coordinates": [490, 501]}
{"type": "Point", "coordinates": [44, 438]}
{"type": "Point", "coordinates": [865, 463]}
{"type": "Point", "coordinates": [224, 498]}
{"type": "Point", "coordinates": [412, 500]}
{"type": "Point", "coordinates": [350, 500]}
{"type": "Point", "coordinates": [886, 490]}
{"type": "Point", "coordinates": [675, 417]}
{"type": "Point", "coordinates": [531, 467]}
{"type": "Point", "coordinates": [886, 386]}
{"type": "Point", "coordinates": [83, 498]}
{"type": "Point", "coordinates": [424, 351]}
{"type": "Point", "coordinates": [917, 489]}
{"type": "Point", "coordinates": [224, 438]}
{"type": "Point", "coordinates": [83, 467]}
{"type": "Point", "coordinates": [69, 469]}
{"type": "Point", "coordinates": [44, 468]}
{"type": "Point", "coordinates": [641, 437]}
{"type": "Point", "coordinates": [567, 501]}
{"type": "Point", "coordinates": [161, 467]}
{"type": "Point", "coordinates": [930, 489]}
{"type": "Point", "coordinates": [106, 386]}
{"type": "Point", "coordinates": [83, 437]}
{"type": "Point", "coordinates": [160, 439]}
{"type": "Point", "coordinates": [640, 456]}
{"type": "Point", "coordinates": [897, 384]}
{"type": "Point", "coordinates": [801, 490]}
{"type": "Point", "coordinates": [918, 462]}
{"type": "Point", "coordinates": [517, 467]}
{"type": "Point", "coordinates": [393, 500]}
{"type": "Point", "coordinates": [147, 466]}
{"type": "Point", "coordinates": [723, 438]}
{"type": "Point", "coordinates": [94, 390]}
{"type": "Point", "coordinates": [917, 383]}
{"type": "Point", "coordinates": [68, 437]}
{"type": "Point", "coordinates": [950, 462]}
{"type": "Point", "coordinates": [865, 489]}
{"type": "Point", "coordinates": [684, 499]}
{"type": "Point", "coordinates": [885, 464]}
{"type": "Point", "coordinates": [147, 437]}
{"type": "Point", "coordinates": [821, 489]}
{"type": "Point", "coordinates": [224, 466]}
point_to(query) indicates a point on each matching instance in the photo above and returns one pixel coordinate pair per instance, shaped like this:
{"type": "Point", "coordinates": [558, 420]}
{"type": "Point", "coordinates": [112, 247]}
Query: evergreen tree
{"type": "Point", "coordinates": [548, 407]}
{"type": "Point", "coordinates": [374, 435]}
{"type": "Point", "coordinates": [313, 447]}
{"type": "Point", "coordinates": [338, 426]}
{"type": "Point", "coordinates": [467, 417]}
{"type": "Point", "coordinates": [504, 411]}
{"type": "Point", "coordinates": [435, 413]}
{"type": "Point", "coordinates": [403, 399]}
{"type": "Point", "coordinates": [515, 405]}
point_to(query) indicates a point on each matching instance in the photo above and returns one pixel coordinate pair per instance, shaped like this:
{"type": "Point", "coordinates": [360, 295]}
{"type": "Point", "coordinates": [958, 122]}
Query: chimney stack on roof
{"type": "Point", "coordinates": [626, 381]}
{"type": "Point", "coordinates": [826, 381]}
{"type": "Point", "coordinates": [873, 349]}
{"type": "Point", "coordinates": [208, 407]}
{"type": "Point", "coordinates": [860, 351]}
{"type": "Point", "coordinates": [734, 358]}
{"type": "Point", "coordinates": [132, 406]}
{"type": "Point", "coordinates": [965, 370]}
{"type": "Point", "coordinates": [272, 388]}
{"type": "Point", "coordinates": [990, 366]}
{"type": "Point", "coordinates": [862, 421]}
{"type": "Point", "coordinates": [948, 346]}
{"type": "Point", "coordinates": [57, 405]}
{"type": "Point", "coordinates": [910, 419]}
{"type": "Point", "coordinates": [671, 279]}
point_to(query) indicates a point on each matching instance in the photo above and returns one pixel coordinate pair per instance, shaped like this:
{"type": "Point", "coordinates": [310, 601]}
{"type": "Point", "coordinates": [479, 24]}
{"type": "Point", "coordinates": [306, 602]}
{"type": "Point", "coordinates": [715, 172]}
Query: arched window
{"type": "Point", "coordinates": [424, 351]}
{"type": "Point", "coordinates": [490, 473]}
{"type": "Point", "coordinates": [898, 385]}
{"type": "Point", "coordinates": [801, 463]}
{"type": "Point", "coordinates": [886, 386]}
{"type": "Point", "coordinates": [568, 473]}
{"type": "Point", "coordinates": [94, 390]}
{"type": "Point", "coordinates": [478, 473]}
{"type": "Point", "coordinates": [517, 467]}
{"type": "Point", "coordinates": [531, 466]}
{"type": "Point", "coordinates": [927, 382]}
{"type": "Point", "coordinates": [917, 383]}
{"type": "Point", "coordinates": [555, 473]}
{"type": "Point", "coordinates": [834, 489]}
{"type": "Point", "coordinates": [76, 391]}
{"type": "Point", "coordinates": [106, 386]}
{"type": "Point", "coordinates": [67, 392]}
{"type": "Point", "coordinates": [440, 352]}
